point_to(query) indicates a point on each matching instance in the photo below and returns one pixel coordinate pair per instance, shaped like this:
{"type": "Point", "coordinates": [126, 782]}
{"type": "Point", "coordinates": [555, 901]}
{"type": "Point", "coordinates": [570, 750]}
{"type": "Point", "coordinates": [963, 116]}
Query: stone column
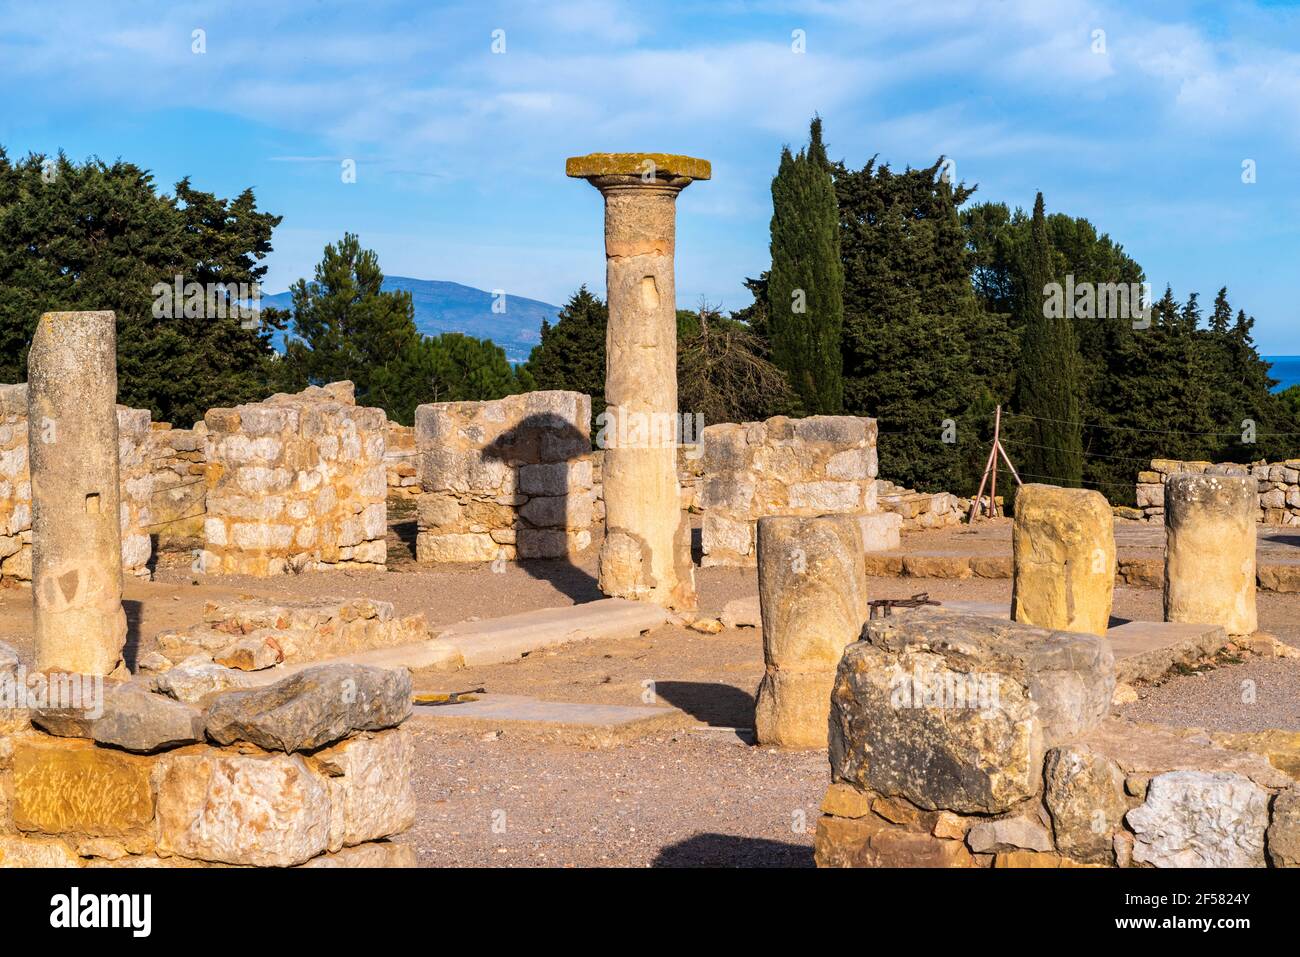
{"type": "Point", "coordinates": [812, 592]}
{"type": "Point", "coordinates": [647, 548]}
{"type": "Point", "coordinates": [72, 445]}
{"type": "Point", "coordinates": [1210, 550]}
{"type": "Point", "coordinates": [1063, 548]}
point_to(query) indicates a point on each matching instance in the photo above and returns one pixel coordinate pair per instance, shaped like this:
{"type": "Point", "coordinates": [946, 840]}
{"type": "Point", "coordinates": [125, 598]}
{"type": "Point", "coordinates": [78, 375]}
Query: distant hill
{"type": "Point", "coordinates": [450, 307]}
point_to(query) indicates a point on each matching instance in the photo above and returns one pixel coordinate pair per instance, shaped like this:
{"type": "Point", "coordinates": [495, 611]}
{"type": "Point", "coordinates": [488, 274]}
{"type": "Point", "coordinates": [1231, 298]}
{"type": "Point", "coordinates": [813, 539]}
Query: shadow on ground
{"type": "Point", "coordinates": [725, 850]}
{"type": "Point", "coordinates": [717, 705]}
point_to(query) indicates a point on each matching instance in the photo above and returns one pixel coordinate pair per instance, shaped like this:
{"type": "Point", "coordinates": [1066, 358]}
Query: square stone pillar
{"type": "Point", "coordinates": [72, 443]}
{"type": "Point", "coordinates": [646, 553]}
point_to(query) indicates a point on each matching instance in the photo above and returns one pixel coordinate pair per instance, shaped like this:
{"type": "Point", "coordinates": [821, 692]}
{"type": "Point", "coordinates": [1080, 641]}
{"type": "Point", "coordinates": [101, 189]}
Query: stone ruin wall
{"type": "Point", "coordinates": [400, 459]}
{"type": "Point", "coordinates": [295, 483]}
{"type": "Point", "coordinates": [184, 773]}
{"type": "Point", "coordinates": [180, 488]}
{"type": "Point", "coordinates": [508, 478]}
{"type": "Point", "coordinates": [1279, 488]}
{"type": "Point", "coordinates": [923, 510]}
{"type": "Point", "coordinates": [813, 466]}
{"type": "Point", "coordinates": [1041, 774]}
{"type": "Point", "coordinates": [135, 456]}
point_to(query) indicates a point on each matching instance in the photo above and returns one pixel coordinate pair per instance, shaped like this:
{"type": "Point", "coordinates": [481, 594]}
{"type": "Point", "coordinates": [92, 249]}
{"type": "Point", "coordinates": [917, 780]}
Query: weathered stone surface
{"type": "Point", "coordinates": [1143, 751]}
{"type": "Point", "coordinates": [314, 707]}
{"type": "Point", "coordinates": [1008, 833]}
{"type": "Point", "coordinates": [79, 624]}
{"type": "Point", "coordinates": [1084, 793]}
{"type": "Point", "coordinates": [955, 712]}
{"type": "Point", "coordinates": [73, 787]}
{"type": "Point", "coordinates": [133, 718]}
{"type": "Point", "coordinates": [881, 532]}
{"type": "Point", "coordinates": [1035, 859]}
{"type": "Point", "coordinates": [1063, 544]}
{"type": "Point", "coordinates": [251, 654]}
{"type": "Point", "coordinates": [195, 679]}
{"type": "Point", "coordinates": [742, 613]}
{"type": "Point", "coordinates": [261, 810]}
{"type": "Point", "coordinates": [1210, 551]}
{"type": "Point", "coordinates": [35, 852]}
{"type": "Point", "coordinates": [813, 595]}
{"type": "Point", "coordinates": [871, 842]}
{"type": "Point", "coordinates": [1284, 831]}
{"type": "Point", "coordinates": [647, 532]}
{"type": "Point", "coordinates": [844, 800]}
{"type": "Point", "coordinates": [373, 854]}
{"type": "Point", "coordinates": [1201, 819]}
{"type": "Point", "coordinates": [369, 778]}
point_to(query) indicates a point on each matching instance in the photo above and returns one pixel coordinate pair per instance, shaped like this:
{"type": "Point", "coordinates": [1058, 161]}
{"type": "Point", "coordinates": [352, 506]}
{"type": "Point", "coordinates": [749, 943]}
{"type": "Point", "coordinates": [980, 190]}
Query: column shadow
{"type": "Point", "coordinates": [539, 451]}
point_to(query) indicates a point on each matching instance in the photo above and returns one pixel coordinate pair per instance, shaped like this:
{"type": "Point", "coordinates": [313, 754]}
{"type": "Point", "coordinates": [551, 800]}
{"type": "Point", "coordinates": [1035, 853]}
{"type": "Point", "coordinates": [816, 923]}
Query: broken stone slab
{"type": "Point", "coordinates": [131, 717]}
{"type": "Point", "coordinates": [577, 723]}
{"type": "Point", "coordinates": [312, 708]}
{"type": "Point", "coordinates": [198, 678]}
{"type": "Point", "coordinates": [1008, 834]}
{"type": "Point", "coordinates": [511, 637]}
{"type": "Point", "coordinates": [254, 653]}
{"type": "Point", "coordinates": [872, 842]}
{"type": "Point", "coordinates": [1144, 750]}
{"type": "Point", "coordinates": [1201, 819]}
{"type": "Point", "coordinates": [1149, 650]}
{"type": "Point", "coordinates": [955, 712]}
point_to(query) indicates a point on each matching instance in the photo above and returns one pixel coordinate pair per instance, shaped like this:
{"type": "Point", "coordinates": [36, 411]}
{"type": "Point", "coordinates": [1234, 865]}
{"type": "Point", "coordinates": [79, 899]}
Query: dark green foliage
{"type": "Point", "coordinates": [805, 306]}
{"type": "Point", "coordinates": [99, 236]}
{"type": "Point", "coordinates": [1047, 376]}
{"type": "Point", "coordinates": [913, 329]}
{"type": "Point", "coordinates": [571, 354]}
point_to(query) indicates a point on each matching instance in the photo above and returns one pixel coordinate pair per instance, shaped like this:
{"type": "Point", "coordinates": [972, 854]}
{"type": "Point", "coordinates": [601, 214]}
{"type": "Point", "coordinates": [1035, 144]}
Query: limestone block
{"type": "Point", "coordinates": [1210, 551]}
{"type": "Point", "coordinates": [1063, 547]}
{"type": "Point", "coordinates": [73, 787]}
{"type": "Point", "coordinates": [35, 852]}
{"type": "Point", "coordinates": [260, 810]}
{"type": "Point", "coordinates": [872, 842]}
{"type": "Point", "coordinates": [955, 712]}
{"type": "Point", "coordinates": [369, 778]}
{"type": "Point", "coordinates": [1284, 831]}
{"type": "Point", "coordinates": [881, 532]}
{"type": "Point", "coordinates": [1084, 794]}
{"type": "Point", "coordinates": [1201, 819]}
{"type": "Point", "coordinates": [813, 596]}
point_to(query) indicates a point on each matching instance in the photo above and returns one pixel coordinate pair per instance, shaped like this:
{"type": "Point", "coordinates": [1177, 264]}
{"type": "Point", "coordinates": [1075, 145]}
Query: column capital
{"type": "Point", "coordinates": [631, 169]}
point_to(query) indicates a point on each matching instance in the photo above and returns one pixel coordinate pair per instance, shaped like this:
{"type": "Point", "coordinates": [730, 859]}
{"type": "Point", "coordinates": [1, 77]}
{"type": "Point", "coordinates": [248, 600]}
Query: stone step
{"type": "Point", "coordinates": [497, 640]}
{"type": "Point", "coordinates": [1149, 650]}
{"type": "Point", "coordinates": [588, 725]}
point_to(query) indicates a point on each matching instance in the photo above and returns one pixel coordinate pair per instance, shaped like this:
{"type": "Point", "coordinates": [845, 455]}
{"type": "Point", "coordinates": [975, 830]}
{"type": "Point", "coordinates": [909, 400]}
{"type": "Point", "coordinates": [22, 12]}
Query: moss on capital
{"type": "Point", "coordinates": [663, 165]}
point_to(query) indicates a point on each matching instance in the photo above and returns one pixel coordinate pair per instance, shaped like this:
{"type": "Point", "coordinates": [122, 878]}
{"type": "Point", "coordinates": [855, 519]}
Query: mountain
{"type": "Point", "coordinates": [450, 307]}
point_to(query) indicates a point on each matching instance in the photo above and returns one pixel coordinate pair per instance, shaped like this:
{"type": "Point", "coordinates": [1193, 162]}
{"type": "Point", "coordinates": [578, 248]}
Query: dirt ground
{"type": "Point", "coordinates": [705, 795]}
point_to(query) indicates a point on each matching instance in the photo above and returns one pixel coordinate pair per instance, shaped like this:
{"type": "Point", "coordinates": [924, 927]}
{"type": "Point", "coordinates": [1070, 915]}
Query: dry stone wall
{"type": "Point", "coordinates": [312, 771]}
{"type": "Point", "coordinates": [510, 478]}
{"type": "Point", "coordinates": [1035, 771]}
{"type": "Point", "coordinates": [296, 483]}
{"type": "Point", "coordinates": [178, 499]}
{"type": "Point", "coordinates": [922, 510]}
{"type": "Point", "coordinates": [813, 466]}
{"type": "Point", "coordinates": [136, 485]}
{"type": "Point", "coordinates": [400, 459]}
{"type": "Point", "coordinates": [1279, 488]}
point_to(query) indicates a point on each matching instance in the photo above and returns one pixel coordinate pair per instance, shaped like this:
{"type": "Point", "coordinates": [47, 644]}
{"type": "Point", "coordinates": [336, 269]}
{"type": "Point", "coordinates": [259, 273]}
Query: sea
{"type": "Point", "coordinates": [1286, 369]}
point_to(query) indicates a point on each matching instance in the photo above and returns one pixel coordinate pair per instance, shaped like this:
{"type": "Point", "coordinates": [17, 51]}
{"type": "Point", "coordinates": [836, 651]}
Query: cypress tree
{"type": "Point", "coordinates": [806, 282]}
{"type": "Point", "coordinates": [1047, 388]}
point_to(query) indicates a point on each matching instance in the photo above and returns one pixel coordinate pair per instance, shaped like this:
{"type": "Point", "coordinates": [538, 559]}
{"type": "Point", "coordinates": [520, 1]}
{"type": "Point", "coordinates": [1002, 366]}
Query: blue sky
{"type": "Point", "coordinates": [460, 152]}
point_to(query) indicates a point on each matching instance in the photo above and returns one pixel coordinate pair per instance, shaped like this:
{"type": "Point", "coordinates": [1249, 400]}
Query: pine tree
{"type": "Point", "coordinates": [806, 282]}
{"type": "Point", "coordinates": [571, 354]}
{"type": "Point", "coordinates": [1048, 377]}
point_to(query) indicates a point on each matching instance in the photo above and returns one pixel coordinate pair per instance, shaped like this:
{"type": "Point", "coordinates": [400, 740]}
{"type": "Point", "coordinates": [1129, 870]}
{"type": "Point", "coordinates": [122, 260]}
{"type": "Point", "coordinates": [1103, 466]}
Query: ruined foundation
{"type": "Point", "coordinates": [814, 466]}
{"type": "Point", "coordinates": [505, 479]}
{"type": "Point", "coordinates": [812, 590]}
{"type": "Point", "coordinates": [646, 553]}
{"type": "Point", "coordinates": [1210, 551]}
{"type": "Point", "coordinates": [963, 741]}
{"type": "Point", "coordinates": [79, 623]}
{"type": "Point", "coordinates": [297, 483]}
{"type": "Point", "coordinates": [1063, 549]}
